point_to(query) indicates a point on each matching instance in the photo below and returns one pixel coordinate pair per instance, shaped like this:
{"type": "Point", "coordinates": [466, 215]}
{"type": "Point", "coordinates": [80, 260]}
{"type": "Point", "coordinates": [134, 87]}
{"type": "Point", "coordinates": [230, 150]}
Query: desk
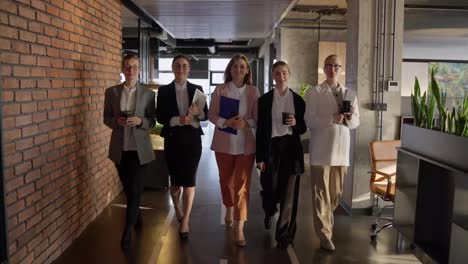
{"type": "Point", "coordinates": [431, 208]}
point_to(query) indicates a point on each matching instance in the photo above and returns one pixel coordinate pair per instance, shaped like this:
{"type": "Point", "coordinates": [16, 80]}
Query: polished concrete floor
{"type": "Point", "coordinates": [211, 242]}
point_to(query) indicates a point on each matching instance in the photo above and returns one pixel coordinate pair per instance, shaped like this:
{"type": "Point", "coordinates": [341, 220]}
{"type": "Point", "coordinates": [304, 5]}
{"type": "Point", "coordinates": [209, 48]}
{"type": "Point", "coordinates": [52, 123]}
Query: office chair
{"type": "Point", "coordinates": [382, 181]}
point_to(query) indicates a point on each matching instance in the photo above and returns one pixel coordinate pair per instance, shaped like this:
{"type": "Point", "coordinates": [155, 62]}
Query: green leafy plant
{"type": "Point", "coordinates": [423, 108]}
{"type": "Point", "coordinates": [303, 89]}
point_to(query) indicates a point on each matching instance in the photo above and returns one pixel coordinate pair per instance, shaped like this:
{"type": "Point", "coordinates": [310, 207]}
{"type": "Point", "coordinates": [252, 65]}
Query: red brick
{"type": "Point", "coordinates": [23, 120]}
{"type": "Point", "coordinates": [11, 134]}
{"type": "Point", "coordinates": [38, 5]}
{"type": "Point", "coordinates": [10, 83]}
{"type": "Point", "coordinates": [31, 222]}
{"type": "Point", "coordinates": [28, 108]}
{"type": "Point", "coordinates": [11, 109]}
{"type": "Point", "coordinates": [27, 12]}
{"type": "Point", "coordinates": [43, 84]}
{"type": "Point", "coordinates": [25, 214]}
{"type": "Point", "coordinates": [39, 116]}
{"type": "Point", "coordinates": [5, 44]}
{"type": "Point", "coordinates": [29, 131]}
{"type": "Point", "coordinates": [37, 49]}
{"type": "Point", "coordinates": [27, 83]}
{"type": "Point", "coordinates": [27, 36]}
{"type": "Point", "coordinates": [57, 22]}
{"type": "Point", "coordinates": [44, 105]}
{"type": "Point", "coordinates": [23, 167]}
{"type": "Point", "coordinates": [38, 72]}
{"type": "Point", "coordinates": [8, 32]}
{"type": "Point", "coordinates": [44, 40]}
{"type": "Point", "coordinates": [51, 31]}
{"type": "Point", "coordinates": [16, 207]}
{"type": "Point", "coordinates": [15, 21]}
{"type": "Point", "coordinates": [20, 71]}
{"type": "Point", "coordinates": [8, 122]}
{"type": "Point", "coordinates": [41, 139]}
{"type": "Point", "coordinates": [24, 191]}
{"type": "Point", "coordinates": [28, 60]}
{"type": "Point", "coordinates": [35, 242]}
{"type": "Point", "coordinates": [39, 162]}
{"type": "Point", "coordinates": [9, 7]}
{"type": "Point", "coordinates": [36, 27]}
{"type": "Point", "coordinates": [32, 176]}
{"type": "Point", "coordinates": [10, 58]}
{"type": "Point", "coordinates": [31, 153]}
{"type": "Point", "coordinates": [22, 96]}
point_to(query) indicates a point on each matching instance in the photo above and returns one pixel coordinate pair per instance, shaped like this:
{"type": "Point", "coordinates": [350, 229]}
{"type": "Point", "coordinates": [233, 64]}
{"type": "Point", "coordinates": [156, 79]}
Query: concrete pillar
{"type": "Point", "coordinates": [362, 62]}
{"type": "Point", "coordinates": [299, 47]}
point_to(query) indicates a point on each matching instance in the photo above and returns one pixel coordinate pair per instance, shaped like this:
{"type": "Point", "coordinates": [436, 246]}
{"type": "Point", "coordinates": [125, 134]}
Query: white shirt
{"type": "Point", "coordinates": [329, 142]}
{"type": "Point", "coordinates": [128, 103]}
{"type": "Point", "coordinates": [281, 103]}
{"type": "Point", "coordinates": [182, 105]}
{"type": "Point", "coordinates": [236, 142]}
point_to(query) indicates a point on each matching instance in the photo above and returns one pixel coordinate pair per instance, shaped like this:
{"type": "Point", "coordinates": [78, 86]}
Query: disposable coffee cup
{"type": "Point", "coordinates": [286, 116]}
{"type": "Point", "coordinates": [346, 108]}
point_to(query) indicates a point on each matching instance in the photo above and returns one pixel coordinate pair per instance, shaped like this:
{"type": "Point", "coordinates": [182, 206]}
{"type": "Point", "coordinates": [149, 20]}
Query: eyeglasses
{"type": "Point", "coordinates": [131, 67]}
{"type": "Point", "coordinates": [335, 66]}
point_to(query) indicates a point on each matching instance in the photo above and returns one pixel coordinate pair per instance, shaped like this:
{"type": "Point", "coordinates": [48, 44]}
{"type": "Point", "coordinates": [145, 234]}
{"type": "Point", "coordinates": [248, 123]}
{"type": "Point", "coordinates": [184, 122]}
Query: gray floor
{"type": "Point", "coordinates": [211, 242]}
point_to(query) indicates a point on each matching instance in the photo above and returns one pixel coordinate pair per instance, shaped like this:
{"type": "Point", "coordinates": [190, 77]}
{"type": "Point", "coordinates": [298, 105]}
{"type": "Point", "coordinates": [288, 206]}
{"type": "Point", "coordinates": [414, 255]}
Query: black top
{"type": "Point", "coordinates": [167, 105]}
{"type": "Point", "coordinates": [264, 127]}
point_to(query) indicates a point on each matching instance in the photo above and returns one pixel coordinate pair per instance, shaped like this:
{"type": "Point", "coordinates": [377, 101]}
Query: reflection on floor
{"type": "Point", "coordinates": [211, 242]}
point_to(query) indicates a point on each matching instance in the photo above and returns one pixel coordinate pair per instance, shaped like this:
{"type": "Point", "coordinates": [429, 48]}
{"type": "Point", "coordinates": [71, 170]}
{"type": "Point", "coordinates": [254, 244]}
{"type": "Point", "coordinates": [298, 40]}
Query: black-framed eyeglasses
{"type": "Point", "coordinates": [335, 66]}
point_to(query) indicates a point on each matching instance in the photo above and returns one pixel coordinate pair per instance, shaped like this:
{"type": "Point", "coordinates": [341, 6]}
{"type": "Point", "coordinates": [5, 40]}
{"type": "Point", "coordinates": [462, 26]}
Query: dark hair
{"type": "Point", "coordinates": [280, 63]}
{"type": "Point", "coordinates": [181, 56]}
{"type": "Point", "coordinates": [129, 56]}
{"type": "Point", "coordinates": [227, 72]}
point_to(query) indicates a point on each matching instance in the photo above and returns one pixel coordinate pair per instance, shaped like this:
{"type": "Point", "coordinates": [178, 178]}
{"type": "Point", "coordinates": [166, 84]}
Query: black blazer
{"type": "Point", "coordinates": [167, 105]}
{"type": "Point", "coordinates": [264, 126]}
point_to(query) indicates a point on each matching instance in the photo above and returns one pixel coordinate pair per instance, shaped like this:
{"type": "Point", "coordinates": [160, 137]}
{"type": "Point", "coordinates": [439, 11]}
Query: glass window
{"type": "Point", "coordinates": [218, 64]}
{"type": "Point", "coordinates": [217, 78]}
{"type": "Point", "coordinates": [165, 64]}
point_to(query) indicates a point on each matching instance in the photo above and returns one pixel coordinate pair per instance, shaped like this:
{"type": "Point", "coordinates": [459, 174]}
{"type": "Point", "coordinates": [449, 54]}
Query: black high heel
{"type": "Point", "coordinates": [126, 238]}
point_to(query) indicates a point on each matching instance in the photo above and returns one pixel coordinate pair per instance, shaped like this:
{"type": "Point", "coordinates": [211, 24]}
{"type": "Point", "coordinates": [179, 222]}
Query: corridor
{"type": "Point", "coordinates": [211, 242]}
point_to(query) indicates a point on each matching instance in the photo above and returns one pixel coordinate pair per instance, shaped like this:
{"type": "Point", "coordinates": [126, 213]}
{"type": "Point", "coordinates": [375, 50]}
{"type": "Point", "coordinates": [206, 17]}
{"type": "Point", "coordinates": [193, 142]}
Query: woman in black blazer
{"type": "Point", "coordinates": [279, 153]}
{"type": "Point", "coordinates": [182, 137]}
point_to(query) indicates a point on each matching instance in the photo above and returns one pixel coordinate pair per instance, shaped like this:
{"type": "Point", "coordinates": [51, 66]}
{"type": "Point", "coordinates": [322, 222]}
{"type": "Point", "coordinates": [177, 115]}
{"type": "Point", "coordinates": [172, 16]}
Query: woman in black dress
{"type": "Point", "coordinates": [182, 137]}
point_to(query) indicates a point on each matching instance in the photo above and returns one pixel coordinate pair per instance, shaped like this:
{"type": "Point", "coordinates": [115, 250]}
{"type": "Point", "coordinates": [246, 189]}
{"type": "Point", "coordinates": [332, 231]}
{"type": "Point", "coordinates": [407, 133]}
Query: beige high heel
{"type": "Point", "coordinates": [239, 242]}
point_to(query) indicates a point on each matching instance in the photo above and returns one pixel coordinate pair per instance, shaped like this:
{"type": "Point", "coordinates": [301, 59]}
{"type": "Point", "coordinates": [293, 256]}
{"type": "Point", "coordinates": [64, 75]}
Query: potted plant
{"type": "Point", "coordinates": [449, 135]}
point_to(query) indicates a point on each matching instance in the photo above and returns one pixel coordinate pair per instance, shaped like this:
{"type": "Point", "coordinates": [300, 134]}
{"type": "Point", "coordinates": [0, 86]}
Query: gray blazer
{"type": "Point", "coordinates": [144, 109]}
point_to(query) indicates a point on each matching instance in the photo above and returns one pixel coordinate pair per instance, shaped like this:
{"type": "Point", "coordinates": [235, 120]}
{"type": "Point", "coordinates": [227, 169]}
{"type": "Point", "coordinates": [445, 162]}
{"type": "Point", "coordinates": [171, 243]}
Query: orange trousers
{"type": "Point", "coordinates": [234, 177]}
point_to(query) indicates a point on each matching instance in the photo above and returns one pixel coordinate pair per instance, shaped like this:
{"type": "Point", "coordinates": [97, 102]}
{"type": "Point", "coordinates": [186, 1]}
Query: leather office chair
{"type": "Point", "coordinates": [383, 176]}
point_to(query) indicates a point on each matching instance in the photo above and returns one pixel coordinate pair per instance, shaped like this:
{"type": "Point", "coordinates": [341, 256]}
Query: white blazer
{"type": "Point", "coordinates": [329, 143]}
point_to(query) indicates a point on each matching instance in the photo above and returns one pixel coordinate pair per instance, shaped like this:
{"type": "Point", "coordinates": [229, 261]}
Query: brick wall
{"type": "Point", "coordinates": [56, 59]}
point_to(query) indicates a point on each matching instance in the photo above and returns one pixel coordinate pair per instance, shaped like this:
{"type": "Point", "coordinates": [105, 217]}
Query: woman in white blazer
{"type": "Point", "coordinates": [329, 145]}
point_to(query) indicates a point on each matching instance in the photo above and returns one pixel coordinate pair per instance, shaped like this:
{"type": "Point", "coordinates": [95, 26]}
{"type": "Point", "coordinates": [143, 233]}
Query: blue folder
{"type": "Point", "coordinates": [228, 107]}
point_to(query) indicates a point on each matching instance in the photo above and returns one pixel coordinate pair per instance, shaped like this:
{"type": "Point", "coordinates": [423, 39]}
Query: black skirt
{"type": "Point", "coordinates": [183, 151]}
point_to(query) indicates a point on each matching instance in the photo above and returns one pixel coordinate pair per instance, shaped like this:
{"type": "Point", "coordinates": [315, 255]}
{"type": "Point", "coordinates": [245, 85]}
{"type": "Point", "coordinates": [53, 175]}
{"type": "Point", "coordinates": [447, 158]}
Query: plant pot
{"type": "Point", "coordinates": [441, 147]}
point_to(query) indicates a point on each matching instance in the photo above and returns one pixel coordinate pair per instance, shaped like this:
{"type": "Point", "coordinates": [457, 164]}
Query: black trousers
{"type": "Point", "coordinates": [131, 175]}
{"type": "Point", "coordinates": [280, 184]}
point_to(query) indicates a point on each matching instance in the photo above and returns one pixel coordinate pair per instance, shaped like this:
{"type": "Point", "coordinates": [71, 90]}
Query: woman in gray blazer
{"type": "Point", "coordinates": [129, 110]}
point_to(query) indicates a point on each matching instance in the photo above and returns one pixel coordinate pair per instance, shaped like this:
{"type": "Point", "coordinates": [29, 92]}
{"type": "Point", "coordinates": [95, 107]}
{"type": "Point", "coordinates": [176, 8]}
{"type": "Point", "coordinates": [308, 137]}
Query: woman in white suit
{"type": "Point", "coordinates": [129, 110]}
{"type": "Point", "coordinates": [329, 145]}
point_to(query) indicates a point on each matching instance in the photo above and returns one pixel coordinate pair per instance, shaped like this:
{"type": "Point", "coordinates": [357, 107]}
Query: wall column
{"type": "Point", "coordinates": [373, 58]}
